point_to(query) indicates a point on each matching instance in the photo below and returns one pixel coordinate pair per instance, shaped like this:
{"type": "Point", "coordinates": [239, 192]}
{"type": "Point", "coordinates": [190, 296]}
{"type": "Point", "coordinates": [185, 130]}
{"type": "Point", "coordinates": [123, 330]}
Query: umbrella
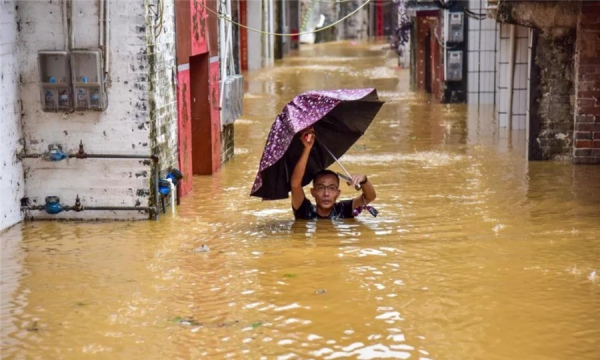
{"type": "Point", "coordinates": [339, 118]}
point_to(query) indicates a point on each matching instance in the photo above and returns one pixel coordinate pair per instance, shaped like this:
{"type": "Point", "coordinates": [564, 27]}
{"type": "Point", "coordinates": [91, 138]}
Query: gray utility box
{"type": "Point", "coordinates": [456, 27]}
{"type": "Point", "coordinates": [55, 80]}
{"type": "Point", "coordinates": [455, 65]}
{"type": "Point", "coordinates": [86, 69]}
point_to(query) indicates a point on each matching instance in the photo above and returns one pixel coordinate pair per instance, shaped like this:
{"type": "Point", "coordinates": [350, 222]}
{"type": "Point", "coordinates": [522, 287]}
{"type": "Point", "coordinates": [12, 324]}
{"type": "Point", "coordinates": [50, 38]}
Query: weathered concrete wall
{"type": "Point", "coordinates": [11, 170]}
{"type": "Point", "coordinates": [139, 118]}
{"type": "Point", "coordinates": [553, 17]}
{"type": "Point", "coordinates": [162, 104]}
{"type": "Point", "coordinates": [587, 68]}
{"type": "Point", "coordinates": [357, 26]}
{"type": "Point", "coordinates": [554, 58]}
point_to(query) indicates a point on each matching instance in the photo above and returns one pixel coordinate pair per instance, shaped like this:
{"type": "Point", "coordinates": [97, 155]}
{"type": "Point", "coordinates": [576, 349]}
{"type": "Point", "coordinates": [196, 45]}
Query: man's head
{"type": "Point", "coordinates": [326, 189]}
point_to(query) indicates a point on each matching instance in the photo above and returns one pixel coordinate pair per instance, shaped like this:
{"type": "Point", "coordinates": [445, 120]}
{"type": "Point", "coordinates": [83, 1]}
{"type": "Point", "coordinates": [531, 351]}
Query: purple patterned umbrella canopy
{"type": "Point", "coordinates": [339, 118]}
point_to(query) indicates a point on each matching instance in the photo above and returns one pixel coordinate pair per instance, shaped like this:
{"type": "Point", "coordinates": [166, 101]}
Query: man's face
{"type": "Point", "coordinates": [325, 191]}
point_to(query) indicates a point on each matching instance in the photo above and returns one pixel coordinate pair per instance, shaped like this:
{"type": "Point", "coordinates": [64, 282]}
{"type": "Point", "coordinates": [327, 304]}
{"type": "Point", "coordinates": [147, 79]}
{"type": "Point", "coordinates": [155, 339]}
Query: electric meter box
{"type": "Point", "coordinates": [456, 27]}
{"type": "Point", "coordinates": [455, 65]}
{"type": "Point", "coordinates": [55, 80]}
{"type": "Point", "coordinates": [86, 70]}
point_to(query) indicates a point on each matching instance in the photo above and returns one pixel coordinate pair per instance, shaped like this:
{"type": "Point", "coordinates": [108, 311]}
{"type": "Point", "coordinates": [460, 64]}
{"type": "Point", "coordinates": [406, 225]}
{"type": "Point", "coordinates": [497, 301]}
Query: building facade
{"type": "Point", "coordinates": [103, 100]}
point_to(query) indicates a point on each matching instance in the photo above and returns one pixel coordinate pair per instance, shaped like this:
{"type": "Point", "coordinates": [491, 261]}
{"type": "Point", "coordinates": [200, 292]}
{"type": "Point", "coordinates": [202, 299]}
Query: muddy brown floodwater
{"type": "Point", "coordinates": [476, 254]}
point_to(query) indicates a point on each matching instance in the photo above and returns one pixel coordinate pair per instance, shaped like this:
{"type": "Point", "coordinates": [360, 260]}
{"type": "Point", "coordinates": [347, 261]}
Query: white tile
{"type": "Point", "coordinates": [502, 120]}
{"type": "Point", "coordinates": [487, 61]}
{"type": "Point", "coordinates": [473, 61]}
{"type": "Point", "coordinates": [473, 82]}
{"type": "Point", "coordinates": [502, 101]}
{"type": "Point", "coordinates": [474, 24]}
{"type": "Point", "coordinates": [489, 40]}
{"type": "Point", "coordinates": [488, 24]}
{"type": "Point", "coordinates": [522, 50]}
{"type": "Point", "coordinates": [503, 77]}
{"type": "Point", "coordinates": [472, 98]}
{"type": "Point", "coordinates": [473, 40]}
{"type": "Point", "coordinates": [486, 98]}
{"type": "Point", "coordinates": [517, 107]}
{"type": "Point", "coordinates": [520, 76]}
{"type": "Point", "coordinates": [476, 5]}
{"type": "Point", "coordinates": [519, 122]}
{"type": "Point", "coordinates": [504, 51]}
{"type": "Point", "coordinates": [519, 103]}
{"type": "Point", "coordinates": [487, 81]}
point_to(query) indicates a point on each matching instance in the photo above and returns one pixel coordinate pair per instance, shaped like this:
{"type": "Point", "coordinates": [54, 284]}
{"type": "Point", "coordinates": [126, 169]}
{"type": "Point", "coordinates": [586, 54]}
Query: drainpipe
{"type": "Point", "coordinates": [101, 26]}
{"type": "Point", "coordinates": [511, 80]}
{"type": "Point", "coordinates": [107, 38]}
{"type": "Point", "coordinates": [65, 24]}
{"type": "Point", "coordinates": [71, 26]}
{"type": "Point", "coordinates": [173, 189]}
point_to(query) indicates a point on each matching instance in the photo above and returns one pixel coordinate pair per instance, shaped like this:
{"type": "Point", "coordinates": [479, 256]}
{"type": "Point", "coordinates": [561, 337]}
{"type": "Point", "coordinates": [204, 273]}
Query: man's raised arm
{"type": "Point", "coordinates": [308, 139]}
{"type": "Point", "coordinates": [368, 191]}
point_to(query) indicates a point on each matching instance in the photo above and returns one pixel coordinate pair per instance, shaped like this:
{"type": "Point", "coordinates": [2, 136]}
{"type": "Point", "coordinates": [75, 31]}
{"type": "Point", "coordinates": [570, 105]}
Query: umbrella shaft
{"type": "Point", "coordinates": [340, 164]}
{"type": "Point", "coordinates": [337, 161]}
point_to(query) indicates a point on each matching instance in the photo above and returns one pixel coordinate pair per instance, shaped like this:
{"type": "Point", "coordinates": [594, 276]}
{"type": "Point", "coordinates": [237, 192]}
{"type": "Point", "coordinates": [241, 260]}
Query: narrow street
{"type": "Point", "coordinates": [476, 254]}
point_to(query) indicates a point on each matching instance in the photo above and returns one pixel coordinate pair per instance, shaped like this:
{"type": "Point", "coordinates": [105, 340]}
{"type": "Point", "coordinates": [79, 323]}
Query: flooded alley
{"type": "Point", "coordinates": [476, 252]}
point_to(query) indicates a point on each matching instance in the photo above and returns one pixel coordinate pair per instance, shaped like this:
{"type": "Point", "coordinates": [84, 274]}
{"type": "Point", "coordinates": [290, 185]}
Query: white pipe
{"type": "Point", "coordinates": [511, 79]}
{"type": "Point", "coordinates": [72, 26]}
{"type": "Point", "coordinates": [173, 190]}
{"type": "Point", "coordinates": [65, 23]}
{"type": "Point", "coordinates": [107, 38]}
{"type": "Point", "coordinates": [101, 26]}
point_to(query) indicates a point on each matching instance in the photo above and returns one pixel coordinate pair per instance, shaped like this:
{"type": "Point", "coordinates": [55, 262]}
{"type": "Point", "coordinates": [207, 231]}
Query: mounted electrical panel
{"type": "Point", "coordinates": [455, 65]}
{"type": "Point", "coordinates": [55, 80]}
{"type": "Point", "coordinates": [456, 27]}
{"type": "Point", "coordinates": [86, 69]}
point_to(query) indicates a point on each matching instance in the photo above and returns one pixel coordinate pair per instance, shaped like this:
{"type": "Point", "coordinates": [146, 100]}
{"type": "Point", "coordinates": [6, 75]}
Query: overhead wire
{"type": "Point", "coordinates": [446, 47]}
{"type": "Point", "coordinates": [474, 15]}
{"type": "Point", "coordinates": [221, 16]}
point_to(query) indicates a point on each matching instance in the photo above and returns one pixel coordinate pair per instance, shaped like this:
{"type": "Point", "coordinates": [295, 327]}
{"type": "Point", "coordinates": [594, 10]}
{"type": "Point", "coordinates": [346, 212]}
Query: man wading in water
{"type": "Point", "coordinates": [325, 189]}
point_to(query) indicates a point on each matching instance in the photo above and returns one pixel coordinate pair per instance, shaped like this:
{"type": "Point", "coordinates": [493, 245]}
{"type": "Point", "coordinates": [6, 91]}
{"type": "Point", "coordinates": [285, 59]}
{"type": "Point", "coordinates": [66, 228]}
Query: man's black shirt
{"type": "Point", "coordinates": [308, 211]}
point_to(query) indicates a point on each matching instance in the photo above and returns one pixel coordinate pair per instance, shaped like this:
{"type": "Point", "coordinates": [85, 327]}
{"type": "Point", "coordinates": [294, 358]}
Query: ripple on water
{"type": "Point", "coordinates": [430, 158]}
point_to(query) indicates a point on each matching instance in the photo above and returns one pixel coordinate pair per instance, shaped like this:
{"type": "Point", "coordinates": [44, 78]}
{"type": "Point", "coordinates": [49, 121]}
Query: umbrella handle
{"type": "Point", "coordinates": [346, 178]}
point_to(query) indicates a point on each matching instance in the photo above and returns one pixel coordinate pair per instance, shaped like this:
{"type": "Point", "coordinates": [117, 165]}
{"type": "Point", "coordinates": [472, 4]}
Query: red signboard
{"type": "Point", "coordinates": [199, 26]}
{"type": "Point", "coordinates": [379, 20]}
{"type": "Point", "coordinates": [243, 35]}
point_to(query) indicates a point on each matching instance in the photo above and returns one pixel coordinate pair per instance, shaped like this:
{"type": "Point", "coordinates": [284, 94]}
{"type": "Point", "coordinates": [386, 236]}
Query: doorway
{"type": "Point", "coordinates": [201, 116]}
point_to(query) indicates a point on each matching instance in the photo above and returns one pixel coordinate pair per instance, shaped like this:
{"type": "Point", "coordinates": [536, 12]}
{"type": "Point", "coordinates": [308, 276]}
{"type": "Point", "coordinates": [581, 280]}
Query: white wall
{"type": "Point", "coordinates": [483, 43]}
{"type": "Point", "coordinates": [11, 170]}
{"type": "Point", "coordinates": [261, 46]}
{"type": "Point", "coordinates": [254, 11]}
{"type": "Point", "coordinates": [141, 102]}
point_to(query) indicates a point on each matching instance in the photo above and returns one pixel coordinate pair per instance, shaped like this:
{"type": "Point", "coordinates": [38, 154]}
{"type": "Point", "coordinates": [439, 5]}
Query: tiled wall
{"type": "Point", "coordinates": [483, 45]}
{"type": "Point", "coordinates": [520, 85]}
